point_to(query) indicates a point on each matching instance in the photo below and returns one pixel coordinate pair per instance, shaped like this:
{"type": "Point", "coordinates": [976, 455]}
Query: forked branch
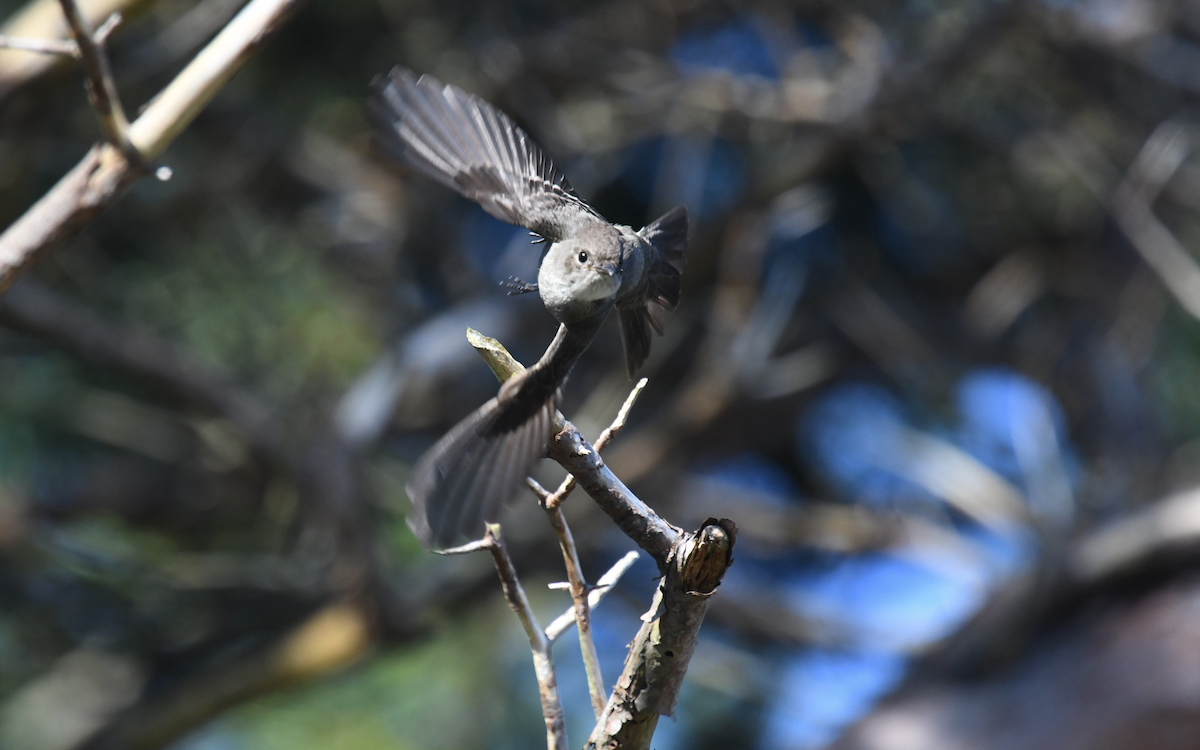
{"type": "Point", "coordinates": [692, 564]}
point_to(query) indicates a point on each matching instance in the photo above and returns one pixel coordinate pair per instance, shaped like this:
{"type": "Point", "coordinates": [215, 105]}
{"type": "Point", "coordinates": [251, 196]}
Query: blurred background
{"type": "Point", "coordinates": [938, 356]}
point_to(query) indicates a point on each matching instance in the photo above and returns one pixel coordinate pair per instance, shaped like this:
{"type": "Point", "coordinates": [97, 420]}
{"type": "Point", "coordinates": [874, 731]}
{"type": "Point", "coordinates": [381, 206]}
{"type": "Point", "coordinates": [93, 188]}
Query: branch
{"type": "Point", "coordinates": [539, 642]}
{"type": "Point", "coordinates": [105, 172]}
{"type": "Point", "coordinates": [43, 46]}
{"type": "Point", "coordinates": [102, 90]}
{"type": "Point", "coordinates": [658, 660]}
{"type": "Point", "coordinates": [578, 584]}
{"type": "Point", "coordinates": [82, 331]}
{"type": "Point", "coordinates": [639, 521]}
{"type": "Point", "coordinates": [40, 22]}
{"type": "Point", "coordinates": [563, 622]}
{"type": "Point", "coordinates": [334, 637]}
{"type": "Point", "coordinates": [579, 599]}
{"type": "Point", "coordinates": [609, 433]}
{"type": "Point", "coordinates": [692, 564]}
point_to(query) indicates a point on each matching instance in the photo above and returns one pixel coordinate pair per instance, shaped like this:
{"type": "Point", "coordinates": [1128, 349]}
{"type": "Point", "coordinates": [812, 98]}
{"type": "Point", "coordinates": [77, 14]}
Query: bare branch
{"type": "Point", "coordinates": [563, 622]}
{"type": "Point", "coordinates": [102, 90]}
{"type": "Point", "coordinates": [569, 483]}
{"type": "Point", "coordinates": [692, 565]}
{"type": "Point", "coordinates": [539, 643]}
{"type": "Point", "coordinates": [502, 364]}
{"type": "Point", "coordinates": [44, 46]}
{"type": "Point", "coordinates": [536, 487]}
{"type": "Point", "coordinates": [639, 521]}
{"type": "Point", "coordinates": [569, 448]}
{"type": "Point", "coordinates": [658, 660]}
{"type": "Point", "coordinates": [465, 549]}
{"type": "Point", "coordinates": [105, 30]}
{"type": "Point", "coordinates": [105, 172]}
{"type": "Point", "coordinates": [491, 350]}
{"type": "Point", "coordinates": [579, 597]}
{"type": "Point", "coordinates": [578, 585]}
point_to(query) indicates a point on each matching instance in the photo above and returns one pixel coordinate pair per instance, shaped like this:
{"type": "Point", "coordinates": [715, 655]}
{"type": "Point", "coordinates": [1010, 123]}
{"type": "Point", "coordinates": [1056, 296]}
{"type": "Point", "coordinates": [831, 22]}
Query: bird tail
{"type": "Point", "coordinates": [465, 479]}
{"type": "Point", "coordinates": [668, 236]}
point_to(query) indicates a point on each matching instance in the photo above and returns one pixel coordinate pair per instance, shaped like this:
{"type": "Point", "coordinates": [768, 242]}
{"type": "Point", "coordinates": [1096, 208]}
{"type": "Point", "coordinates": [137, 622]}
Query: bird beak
{"type": "Point", "coordinates": [608, 269]}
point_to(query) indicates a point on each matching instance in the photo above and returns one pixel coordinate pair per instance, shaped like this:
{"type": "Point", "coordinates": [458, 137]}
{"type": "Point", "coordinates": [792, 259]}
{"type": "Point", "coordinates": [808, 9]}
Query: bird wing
{"type": "Point", "coordinates": [468, 475]}
{"type": "Point", "coordinates": [470, 146]}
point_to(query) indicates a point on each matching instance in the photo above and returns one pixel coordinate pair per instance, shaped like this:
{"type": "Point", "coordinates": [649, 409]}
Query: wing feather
{"type": "Point", "coordinates": [468, 145]}
{"type": "Point", "coordinates": [466, 477]}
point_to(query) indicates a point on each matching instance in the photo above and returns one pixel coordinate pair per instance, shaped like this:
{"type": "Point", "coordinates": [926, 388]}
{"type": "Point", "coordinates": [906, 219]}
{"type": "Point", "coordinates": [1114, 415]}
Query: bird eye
{"type": "Point", "coordinates": [583, 257]}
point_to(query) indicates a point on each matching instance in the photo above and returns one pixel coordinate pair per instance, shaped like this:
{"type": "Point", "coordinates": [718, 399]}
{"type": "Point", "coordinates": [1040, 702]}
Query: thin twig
{"type": "Point", "coordinates": [692, 565]}
{"type": "Point", "coordinates": [1130, 204]}
{"type": "Point", "coordinates": [566, 542]}
{"type": "Point", "coordinates": [105, 30]}
{"type": "Point", "coordinates": [609, 433]}
{"type": "Point", "coordinates": [45, 46]}
{"type": "Point", "coordinates": [580, 601]}
{"type": "Point", "coordinates": [102, 90]}
{"type": "Point", "coordinates": [636, 519]}
{"type": "Point", "coordinates": [563, 622]}
{"type": "Point", "coordinates": [536, 487]}
{"type": "Point", "coordinates": [539, 643]}
{"type": "Point", "coordinates": [465, 549]}
{"type": "Point", "coordinates": [579, 598]}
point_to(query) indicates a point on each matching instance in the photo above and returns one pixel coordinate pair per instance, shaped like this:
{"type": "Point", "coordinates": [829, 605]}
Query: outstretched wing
{"type": "Point", "coordinates": [469, 146]}
{"type": "Point", "coordinates": [468, 475]}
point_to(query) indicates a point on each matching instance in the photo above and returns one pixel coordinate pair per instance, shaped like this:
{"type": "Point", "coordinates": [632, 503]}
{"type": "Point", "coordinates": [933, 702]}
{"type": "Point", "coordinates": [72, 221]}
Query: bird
{"type": "Point", "coordinates": [590, 267]}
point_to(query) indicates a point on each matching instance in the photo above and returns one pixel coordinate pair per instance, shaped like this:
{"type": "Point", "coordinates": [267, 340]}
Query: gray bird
{"type": "Point", "coordinates": [590, 267]}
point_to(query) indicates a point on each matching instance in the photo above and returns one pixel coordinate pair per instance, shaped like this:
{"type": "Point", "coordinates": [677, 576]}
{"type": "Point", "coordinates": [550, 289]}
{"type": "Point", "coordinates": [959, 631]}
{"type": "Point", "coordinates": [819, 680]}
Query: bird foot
{"type": "Point", "coordinates": [516, 286]}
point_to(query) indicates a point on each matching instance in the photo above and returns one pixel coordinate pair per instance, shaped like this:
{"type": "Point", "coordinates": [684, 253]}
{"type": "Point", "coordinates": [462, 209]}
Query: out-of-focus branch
{"type": "Point", "coordinates": [102, 90]}
{"type": "Point", "coordinates": [539, 642]}
{"type": "Point", "coordinates": [329, 640]}
{"type": "Point", "coordinates": [1166, 532]}
{"type": "Point", "coordinates": [1157, 540]}
{"type": "Point", "coordinates": [104, 173]}
{"type": "Point", "coordinates": [42, 21]}
{"type": "Point", "coordinates": [1131, 203]}
{"type": "Point", "coordinates": [42, 46]}
{"type": "Point", "coordinates": [82, 331]}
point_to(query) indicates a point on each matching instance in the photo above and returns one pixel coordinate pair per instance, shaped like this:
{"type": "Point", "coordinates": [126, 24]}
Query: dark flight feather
{"type": "Point", "coordinates": [464, 143]}
{"type": "Point", "coordinates": [468, 476]}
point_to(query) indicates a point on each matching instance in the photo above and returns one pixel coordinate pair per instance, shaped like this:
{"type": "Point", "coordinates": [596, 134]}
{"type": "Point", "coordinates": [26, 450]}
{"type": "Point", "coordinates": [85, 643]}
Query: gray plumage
{"type": "Point", "coordinates": [590, 267]}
